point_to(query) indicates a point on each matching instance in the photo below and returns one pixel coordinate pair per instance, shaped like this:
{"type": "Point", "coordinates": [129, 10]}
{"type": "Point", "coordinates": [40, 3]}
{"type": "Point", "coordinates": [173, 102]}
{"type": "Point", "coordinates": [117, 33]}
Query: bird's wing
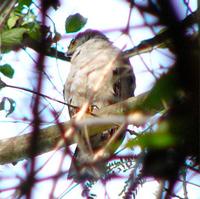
{"type": "Point", "coordinates": [124, 81]}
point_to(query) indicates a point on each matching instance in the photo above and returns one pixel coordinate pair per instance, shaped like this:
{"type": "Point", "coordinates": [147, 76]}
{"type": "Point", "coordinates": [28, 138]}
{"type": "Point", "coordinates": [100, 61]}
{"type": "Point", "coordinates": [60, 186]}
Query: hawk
{"type": "Point", "coordinates": [100, 76]}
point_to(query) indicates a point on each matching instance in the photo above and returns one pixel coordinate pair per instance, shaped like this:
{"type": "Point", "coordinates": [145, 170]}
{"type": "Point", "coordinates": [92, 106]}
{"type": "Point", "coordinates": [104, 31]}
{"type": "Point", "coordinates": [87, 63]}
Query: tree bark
{"type": "Point", "coordinates": [54, 137]}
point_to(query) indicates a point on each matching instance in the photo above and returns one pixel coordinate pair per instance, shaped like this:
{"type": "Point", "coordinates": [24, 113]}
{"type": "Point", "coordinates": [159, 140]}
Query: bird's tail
{"type": "Point", "coordinates": [83, 166]}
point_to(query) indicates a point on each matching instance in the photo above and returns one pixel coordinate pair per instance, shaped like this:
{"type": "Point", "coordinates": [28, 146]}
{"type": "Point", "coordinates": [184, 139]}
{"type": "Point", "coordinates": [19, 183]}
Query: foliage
{"type": "Point", "coordinates": [74, 23]}
{"type": "Point", "coordinates": [172, 140]}
{"type": "Point", "coordinates": [3, 105]}
{"type": "Point", "coordinates": [21, 23]}
{"type": "Point", "coordinates": [7, 70]}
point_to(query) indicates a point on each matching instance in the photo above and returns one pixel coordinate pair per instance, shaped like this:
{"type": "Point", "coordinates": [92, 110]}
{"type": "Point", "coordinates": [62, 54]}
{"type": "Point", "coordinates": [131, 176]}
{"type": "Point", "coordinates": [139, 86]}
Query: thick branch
{"type": "Point", "coordinates": [17, 148]}
{"type": "Point", "coordinates": [52, 52]}
{"type": "Point", "coordinates": [162, 38]}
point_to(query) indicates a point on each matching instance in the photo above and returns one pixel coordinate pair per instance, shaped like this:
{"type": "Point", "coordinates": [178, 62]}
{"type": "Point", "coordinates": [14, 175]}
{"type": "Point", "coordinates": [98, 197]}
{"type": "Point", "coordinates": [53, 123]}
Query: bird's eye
{"type": "Point", "coordinates": [72, 41]}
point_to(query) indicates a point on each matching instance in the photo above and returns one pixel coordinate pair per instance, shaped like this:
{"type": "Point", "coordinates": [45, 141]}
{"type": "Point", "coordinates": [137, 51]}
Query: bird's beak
{"type": "Point", "coordinates": [68, 55]}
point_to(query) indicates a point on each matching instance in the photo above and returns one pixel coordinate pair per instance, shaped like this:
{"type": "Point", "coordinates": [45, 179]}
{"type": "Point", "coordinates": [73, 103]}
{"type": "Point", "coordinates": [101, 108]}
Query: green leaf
{"type": "Point", "coordinates": [34, 30]}
{"type": "Point", "coordinates": [10, 39]}
{"type": "Point", "coordinates": [165, 89]}
{"type": "Point", "coordinates": [161, 138]}
{"type": "Point", "coordinates": [25, 2]}
{"type": "Point", "coordinates": [22, 3]}
{"type": "Point", "coordinates": [28, 18]}
{"type": "Point", "coordinates": [74, 23]}
{"type": "Point", "coordinates": [12, 105]}
{"type": "Point", "coordinates": [7, 70]}
{"type": "Point", "coordinates": [12, 21]}
{"type": "Point", "coordinates": [152, 140]}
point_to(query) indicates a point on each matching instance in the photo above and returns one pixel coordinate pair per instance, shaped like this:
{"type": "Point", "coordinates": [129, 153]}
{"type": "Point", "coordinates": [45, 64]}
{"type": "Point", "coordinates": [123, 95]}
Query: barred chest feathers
{"type": "Point", "coordinates": [91, 64]}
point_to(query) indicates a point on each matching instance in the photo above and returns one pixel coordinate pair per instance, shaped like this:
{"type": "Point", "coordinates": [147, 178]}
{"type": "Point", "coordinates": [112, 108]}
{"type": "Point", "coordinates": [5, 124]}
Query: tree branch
{"type": "Point", "coordinates": [51, 52]}
{"type": "Point", "coordinates": [144, 47]}
{"type": "Point", "coordinates": [160, 39]}
{"type": "Point", "coordinates": [17, 148]}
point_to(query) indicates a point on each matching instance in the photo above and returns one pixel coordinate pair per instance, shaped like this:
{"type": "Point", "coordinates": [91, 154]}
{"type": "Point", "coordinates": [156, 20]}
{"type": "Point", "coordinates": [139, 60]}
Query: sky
{"type": "Point", "coordinates": [102, 15]}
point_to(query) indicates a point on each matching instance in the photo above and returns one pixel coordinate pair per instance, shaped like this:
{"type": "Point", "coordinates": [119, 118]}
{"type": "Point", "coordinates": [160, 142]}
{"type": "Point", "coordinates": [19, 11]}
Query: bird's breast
{"type": "Point", "coordinates": [91, 75]}
{"type": "Point", "coordinates": [89, 83]}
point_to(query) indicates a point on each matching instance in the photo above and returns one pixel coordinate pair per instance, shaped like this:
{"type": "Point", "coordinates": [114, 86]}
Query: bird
{"type": "Point", "coordinates": [100, 76]}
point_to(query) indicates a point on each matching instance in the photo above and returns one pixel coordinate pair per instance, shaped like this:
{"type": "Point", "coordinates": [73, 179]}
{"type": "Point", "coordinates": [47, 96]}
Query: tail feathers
{"type": "Point", "coordinates": [82, 169]}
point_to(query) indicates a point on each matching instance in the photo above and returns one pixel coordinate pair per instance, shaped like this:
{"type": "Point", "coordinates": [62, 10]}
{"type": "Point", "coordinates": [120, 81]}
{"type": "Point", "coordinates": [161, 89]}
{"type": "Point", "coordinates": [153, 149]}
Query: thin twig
{"type": "Point", "coordinates": [40, 94]}
{"type": "Point", "coordinates": [185, 185]}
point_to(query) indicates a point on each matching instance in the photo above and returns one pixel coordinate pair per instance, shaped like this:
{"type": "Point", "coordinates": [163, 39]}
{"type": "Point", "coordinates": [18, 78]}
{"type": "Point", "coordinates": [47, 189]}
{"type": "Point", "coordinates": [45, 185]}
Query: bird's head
{"type": "Point", "coordinates": [83, 37]}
